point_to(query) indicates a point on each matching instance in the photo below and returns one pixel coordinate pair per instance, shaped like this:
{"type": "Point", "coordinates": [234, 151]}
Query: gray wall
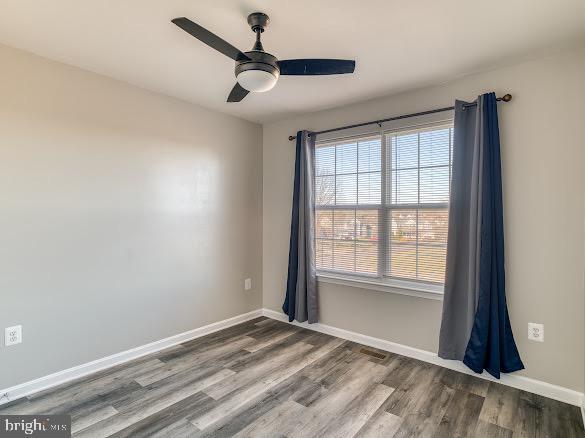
{"type": "Point", "coordinates": [543, 152]}
{"type": "Point", "coordinates": [125, 216]}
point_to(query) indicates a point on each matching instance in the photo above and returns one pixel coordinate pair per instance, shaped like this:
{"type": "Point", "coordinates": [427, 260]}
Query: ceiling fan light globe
{"type": "Point", "coordinates": [257, 81]}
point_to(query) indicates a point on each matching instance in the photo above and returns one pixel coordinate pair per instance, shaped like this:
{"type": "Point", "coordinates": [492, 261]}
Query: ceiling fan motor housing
{"type": "Point", "coordinates": [258, 61]}
{"type": "Point", "coordinates": [259, 72]}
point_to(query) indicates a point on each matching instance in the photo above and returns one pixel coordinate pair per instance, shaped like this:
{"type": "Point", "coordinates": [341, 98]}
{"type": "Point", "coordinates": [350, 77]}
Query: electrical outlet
{"type": "Point", "coordinates": [536, 332]}
{"type": "Point", "coordinates": [247, 284]}
{"type": "Point", "coordinates": [13, 335]}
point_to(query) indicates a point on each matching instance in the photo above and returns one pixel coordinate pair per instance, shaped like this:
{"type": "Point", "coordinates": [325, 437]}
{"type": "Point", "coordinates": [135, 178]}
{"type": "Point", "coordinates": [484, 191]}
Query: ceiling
{"type": "Point", "coordinates": [397, 45]}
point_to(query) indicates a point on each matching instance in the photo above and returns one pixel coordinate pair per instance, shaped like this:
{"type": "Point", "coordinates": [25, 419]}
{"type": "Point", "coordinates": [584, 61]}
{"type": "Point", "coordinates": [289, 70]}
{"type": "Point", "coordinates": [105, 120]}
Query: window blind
{"type": "Point", "coordinates": [382, 204]}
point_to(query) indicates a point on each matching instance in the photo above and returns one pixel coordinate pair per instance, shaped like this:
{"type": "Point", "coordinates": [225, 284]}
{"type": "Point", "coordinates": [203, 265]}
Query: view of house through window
{"type": "Point", "coordinates": [382, 204]}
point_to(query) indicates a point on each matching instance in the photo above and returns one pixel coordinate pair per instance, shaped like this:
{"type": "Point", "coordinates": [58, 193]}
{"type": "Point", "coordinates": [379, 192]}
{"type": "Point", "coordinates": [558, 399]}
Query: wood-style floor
{"type": "Point", "coordinates": [266, 378]}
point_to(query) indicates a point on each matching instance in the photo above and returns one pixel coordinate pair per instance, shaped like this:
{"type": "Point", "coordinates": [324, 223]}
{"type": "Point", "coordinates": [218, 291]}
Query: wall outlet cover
{"type": "Point", "coordinates": [247, 284]}
{"type": "Point", "coordinates": [536, 332]}
{"type": "Point", "coordinates": [13, 335]}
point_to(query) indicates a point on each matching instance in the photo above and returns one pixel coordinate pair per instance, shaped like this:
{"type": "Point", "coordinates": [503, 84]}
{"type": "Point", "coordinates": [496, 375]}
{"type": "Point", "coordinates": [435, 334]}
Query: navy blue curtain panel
{"type": "Point", "coordinates": [293, 251]}
{"type": "Point", "coordinates": [475, 325]}
{"type": "Point", "coordinates": [491, 344]}
{"type": "Point", "coordinates": [300, 301]}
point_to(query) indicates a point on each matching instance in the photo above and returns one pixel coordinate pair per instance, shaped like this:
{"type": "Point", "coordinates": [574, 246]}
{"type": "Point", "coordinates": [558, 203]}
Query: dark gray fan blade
{"type": "Point", "coordinates": [210, 39]}
{"type": "Point", "coordinates": [315, 66]}
{"type": "Point", "coordinates": [237, 93]}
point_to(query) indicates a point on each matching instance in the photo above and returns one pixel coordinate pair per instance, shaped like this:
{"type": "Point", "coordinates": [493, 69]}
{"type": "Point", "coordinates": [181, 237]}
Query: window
{"type": "Point", "coordinates": [382, 205]}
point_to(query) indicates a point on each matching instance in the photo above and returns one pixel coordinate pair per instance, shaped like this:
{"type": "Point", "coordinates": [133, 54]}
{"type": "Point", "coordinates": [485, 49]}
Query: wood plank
{"type": "Point", "coordinates": [211, 340]}
{"type": "Point", "coordinates": [463, 382]}
{"type": "Point", "coordinates": [414, 388]}
{"type": "Point", "coordinates": [561, 419]}
{"type": "Point", "coordinates": [249, 412]}
{"type": "Point", "coordinates": [400, 370]}
{"type": "Point", "coordinates": [258, 371]}
{"type": "Point", "coordinates": [472, 384]}
{"type": "Point", "coordinates": [181, 429]}
{"type": "Point", "coordinates": [501, 406]}
{"type": "Point", "coordinates": [461, 417]}
{"type": "Point", "coordinates": [171, 419]}
{"type": "Point", "coordinates": [270, 340]}
{"type": "Point", "coordinates": [271, 424]}
{"type": "Point", "coordinates": [423, 414]}
{"type": "Point", "coordinates": [91, 418]}
{"type": "Point", "coordinates": [320, 416]}
{"type": "Point", "coordinates": [332, 369]}
{"type": "Point", "coordinates": [230, 404]}
{"type": "Point", "coordinates": [530, 420]}
{"type": "Point", "coordinates": [248, 360]}
{"type": "Point", "coordinates": [484, 429]}
{"type": "Point", "coordinates": [349, 421]}
{"type": "Point", "coordinates": [264, 321]}
{"type": "Point", "coordinates": [104, 400]}
{"type": "Point", "coordinates": [150, 404]}
{"type": "Point", "coordinates": [210, 356]}
{"type": "Point", "coordinates": [384, 425]}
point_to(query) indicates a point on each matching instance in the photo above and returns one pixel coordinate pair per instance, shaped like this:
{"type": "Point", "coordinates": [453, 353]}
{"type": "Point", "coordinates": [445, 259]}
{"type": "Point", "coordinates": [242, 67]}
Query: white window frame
{"type": "Point", "coordinates": [379, 281]}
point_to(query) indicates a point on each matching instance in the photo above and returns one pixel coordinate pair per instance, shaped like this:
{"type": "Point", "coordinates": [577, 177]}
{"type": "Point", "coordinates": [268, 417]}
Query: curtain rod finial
{"type": "Point", "coordinates": [507, 97]}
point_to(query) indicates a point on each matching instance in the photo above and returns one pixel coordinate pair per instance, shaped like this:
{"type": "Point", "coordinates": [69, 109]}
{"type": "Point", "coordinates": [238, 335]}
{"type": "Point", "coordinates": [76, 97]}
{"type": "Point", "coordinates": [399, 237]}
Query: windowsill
{"type": "Point", "coordinates": [415, 289]}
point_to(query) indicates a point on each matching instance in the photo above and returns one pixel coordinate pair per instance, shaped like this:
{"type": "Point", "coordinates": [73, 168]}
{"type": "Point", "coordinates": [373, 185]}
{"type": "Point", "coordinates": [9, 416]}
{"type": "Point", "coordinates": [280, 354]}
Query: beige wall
{"type": "Point", "coordinates": [543, 152]}
{"type": "Point", "coordinates": [125, 216]}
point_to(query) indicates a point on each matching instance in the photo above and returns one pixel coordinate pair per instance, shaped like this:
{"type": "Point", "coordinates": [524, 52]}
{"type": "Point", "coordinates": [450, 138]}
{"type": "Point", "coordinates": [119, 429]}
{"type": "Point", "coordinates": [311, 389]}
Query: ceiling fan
{"type": "Point", "coordinates": [258, 70]}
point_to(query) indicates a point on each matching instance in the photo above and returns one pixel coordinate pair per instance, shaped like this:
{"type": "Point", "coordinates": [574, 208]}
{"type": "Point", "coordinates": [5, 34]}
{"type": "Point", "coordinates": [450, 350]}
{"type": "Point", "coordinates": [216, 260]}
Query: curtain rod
{"type": "Point", "coordinates": [504, 98]}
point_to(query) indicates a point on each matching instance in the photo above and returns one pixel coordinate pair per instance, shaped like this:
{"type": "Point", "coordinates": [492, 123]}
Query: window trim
{"type": "Point", "coordinates": [417, 288]}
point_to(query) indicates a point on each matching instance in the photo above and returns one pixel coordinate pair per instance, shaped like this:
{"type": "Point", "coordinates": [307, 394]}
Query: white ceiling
{"type": "Point", "coordinates": [398, 45]}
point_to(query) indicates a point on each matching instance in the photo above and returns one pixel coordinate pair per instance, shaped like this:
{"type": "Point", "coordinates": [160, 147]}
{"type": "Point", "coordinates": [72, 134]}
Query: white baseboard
{"type": "Point", "coordinates": [42, 383]}
{"type": "Point", "coordinates": [520, 382]}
